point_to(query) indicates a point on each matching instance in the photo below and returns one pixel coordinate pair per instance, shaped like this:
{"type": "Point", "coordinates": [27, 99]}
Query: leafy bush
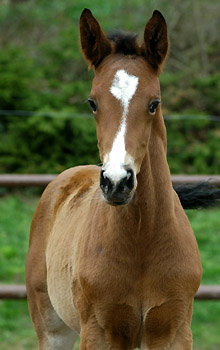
{"type": "Point", "coordinates": [20, 80]}
{"type": "Point", "coordinates": [193, 146]}
{"type": "Point", "coordinates": [44, 144]}
{"type": "Point", "coordinates": [40, 144]}
{"type": "Point", "coordinates": [41, 69]}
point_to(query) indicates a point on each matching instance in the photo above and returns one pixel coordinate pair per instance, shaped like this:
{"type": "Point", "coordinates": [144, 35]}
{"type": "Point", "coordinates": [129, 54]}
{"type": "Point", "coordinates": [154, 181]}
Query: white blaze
{"type": "Point", "coordinates": [123, 88]}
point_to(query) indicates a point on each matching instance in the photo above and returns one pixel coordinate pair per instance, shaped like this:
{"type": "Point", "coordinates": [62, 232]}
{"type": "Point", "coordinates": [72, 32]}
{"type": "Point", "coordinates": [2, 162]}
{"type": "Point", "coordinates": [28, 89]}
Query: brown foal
{"type": "Point", "coordinates": [112, 255]}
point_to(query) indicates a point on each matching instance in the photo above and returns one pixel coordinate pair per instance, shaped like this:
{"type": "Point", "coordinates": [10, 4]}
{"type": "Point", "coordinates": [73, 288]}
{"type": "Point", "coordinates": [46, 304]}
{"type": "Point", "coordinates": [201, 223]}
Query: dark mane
{"type": "Point", "coordinates": [125, 43]}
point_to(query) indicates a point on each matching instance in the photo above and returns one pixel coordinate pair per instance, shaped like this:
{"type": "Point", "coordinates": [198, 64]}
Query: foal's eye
{"type": "Point", "coordinates": [92, 104]}
{"type": "Point", "coordinates": [153, 106]}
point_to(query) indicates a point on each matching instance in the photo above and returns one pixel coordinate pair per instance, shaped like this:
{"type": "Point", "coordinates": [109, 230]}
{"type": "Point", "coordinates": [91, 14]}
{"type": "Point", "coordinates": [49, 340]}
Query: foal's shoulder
{"type": "Point", "coordinates": [75, 178]}
{"type": "Point", "coordinates": [72, 182]}
{"type": "Point", "coordinates": [78, 176]}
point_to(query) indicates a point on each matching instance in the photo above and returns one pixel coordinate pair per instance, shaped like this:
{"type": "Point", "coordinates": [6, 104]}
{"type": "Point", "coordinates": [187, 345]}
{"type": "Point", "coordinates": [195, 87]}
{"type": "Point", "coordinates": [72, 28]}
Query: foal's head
{"type": "Point", "coordinates": [125, 97]}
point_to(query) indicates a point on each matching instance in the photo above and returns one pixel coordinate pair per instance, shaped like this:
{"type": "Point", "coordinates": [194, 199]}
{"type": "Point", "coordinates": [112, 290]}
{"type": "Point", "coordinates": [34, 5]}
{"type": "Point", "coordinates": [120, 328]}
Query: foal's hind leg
{"type": "Point", "coordinates": [52, 332]}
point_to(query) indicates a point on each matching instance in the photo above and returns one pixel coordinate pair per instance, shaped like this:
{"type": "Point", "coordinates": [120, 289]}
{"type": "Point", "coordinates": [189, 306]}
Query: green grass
{"type": "Point", "coordinates": [206, 316]}
{"type": "Point", "coordinates": [16, 330]}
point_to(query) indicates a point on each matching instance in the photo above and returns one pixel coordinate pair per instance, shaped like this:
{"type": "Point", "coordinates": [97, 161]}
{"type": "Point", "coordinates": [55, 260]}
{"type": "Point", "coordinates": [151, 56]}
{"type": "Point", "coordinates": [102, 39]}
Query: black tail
{"type": "Point", "coordinates": [197, 196]}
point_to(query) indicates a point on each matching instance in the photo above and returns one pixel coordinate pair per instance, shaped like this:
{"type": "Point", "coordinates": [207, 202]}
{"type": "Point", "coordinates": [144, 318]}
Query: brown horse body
{"type": "Point", "coordinates": [117, 263]}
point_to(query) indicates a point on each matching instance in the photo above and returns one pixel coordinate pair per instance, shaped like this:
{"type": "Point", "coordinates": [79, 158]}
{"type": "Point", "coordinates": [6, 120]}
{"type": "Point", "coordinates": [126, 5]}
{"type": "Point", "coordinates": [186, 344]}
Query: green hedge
{"type": "Point", "coordinates": [42, 70]}
{"type": "Point", "coordinates": [193, 146]}
{"type": "Point", "coordinates": [43, 144]}
{"type": "Point", "coordinates": [40, 144]}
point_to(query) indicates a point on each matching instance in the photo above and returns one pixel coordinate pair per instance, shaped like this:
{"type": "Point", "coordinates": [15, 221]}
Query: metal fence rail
{"type": "Point", "coordinates": [42, 180]}
{"type": "Point", "coordinates": [17, 180]}
{"type": "Point", "coordinates": [19, 292]}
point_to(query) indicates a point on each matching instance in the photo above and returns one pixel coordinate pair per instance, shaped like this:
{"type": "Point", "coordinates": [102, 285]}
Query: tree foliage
{"type": "Point", "coordinates": [42, 70]}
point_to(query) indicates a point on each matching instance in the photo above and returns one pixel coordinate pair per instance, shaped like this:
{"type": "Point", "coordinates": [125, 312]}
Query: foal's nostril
{"type": "Point", "coordinates": [130, 179]}
{"type": "Point", "coordinates": [105, 183]}
{"type": "Point", "coordinates": [120, 192]}
{"type": "Point", "coordinates": [127, 183]}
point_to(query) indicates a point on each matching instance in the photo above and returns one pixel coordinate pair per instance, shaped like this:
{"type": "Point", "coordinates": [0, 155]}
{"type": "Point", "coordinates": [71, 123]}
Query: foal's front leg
{"type": "Point", "coordinates": [92, 335]}
{"type": "Point", "coordinates": [168, 327]}
{"type": "Point", "coordinates": [113, 336]}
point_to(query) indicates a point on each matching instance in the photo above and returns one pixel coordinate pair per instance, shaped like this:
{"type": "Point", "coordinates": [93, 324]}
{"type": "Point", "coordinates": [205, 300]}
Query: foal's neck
{"type": "Point", "coordinates": [153, 203]}
{"type": "Point", "coordinates": [155, 192]}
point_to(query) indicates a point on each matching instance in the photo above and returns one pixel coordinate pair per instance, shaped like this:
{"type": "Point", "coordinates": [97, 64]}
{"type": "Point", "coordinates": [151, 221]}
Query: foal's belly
{"type": "Point", "coordinates": [60, 276]}
{"type": "Point", "coordinates": [110, 307]}
{"type": "Point", "coordinates": [60, 293]}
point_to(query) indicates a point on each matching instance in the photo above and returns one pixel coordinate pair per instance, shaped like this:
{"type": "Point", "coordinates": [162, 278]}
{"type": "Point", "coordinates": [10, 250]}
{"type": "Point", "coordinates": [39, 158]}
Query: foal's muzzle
{"type": "Point", "coordinates": [118, 193]}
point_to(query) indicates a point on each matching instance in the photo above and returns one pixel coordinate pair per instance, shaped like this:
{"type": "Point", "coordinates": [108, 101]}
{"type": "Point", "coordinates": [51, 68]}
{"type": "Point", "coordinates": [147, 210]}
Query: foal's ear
{"type": "Point", "coordinates": [155, 45]}
{"type": "Point", "coordinates": [95, 44]}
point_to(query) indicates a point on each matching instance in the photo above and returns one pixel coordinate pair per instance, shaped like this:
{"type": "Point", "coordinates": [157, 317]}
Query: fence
{"type": "Point", "coordinates": [18, 292]}
{"type": "Point", "coordinates": [210, 292]}
{"type": "Point", "coordinates": [42, 180]}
